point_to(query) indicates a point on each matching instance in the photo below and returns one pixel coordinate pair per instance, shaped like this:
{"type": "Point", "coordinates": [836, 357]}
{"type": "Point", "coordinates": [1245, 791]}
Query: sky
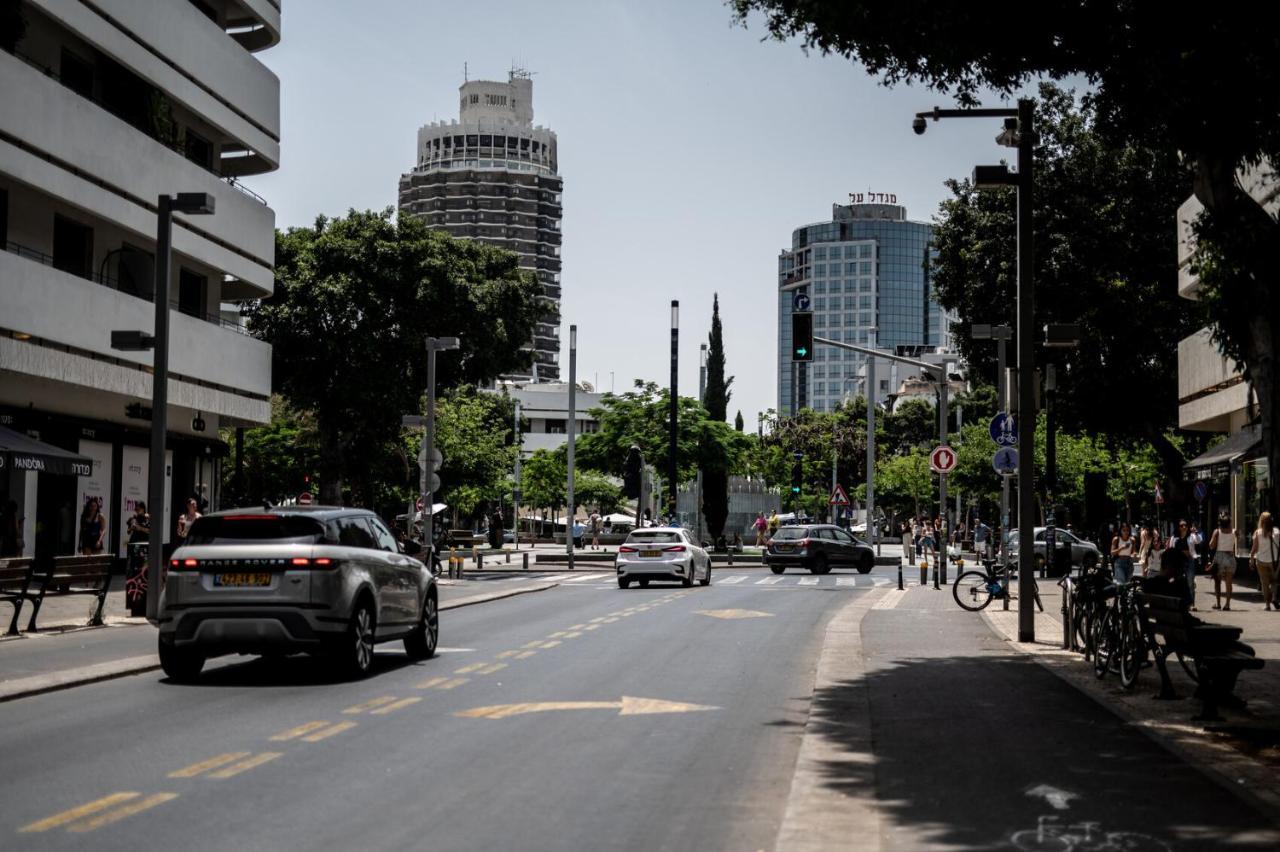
{"type": "Point", "coordinates": [690, 149]}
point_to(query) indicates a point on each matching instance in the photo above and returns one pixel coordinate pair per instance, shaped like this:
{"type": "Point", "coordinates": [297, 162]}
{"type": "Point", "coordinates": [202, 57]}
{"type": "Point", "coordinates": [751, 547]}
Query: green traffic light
{"type": "Point", "coordinates": [795, 489]}
{"type": "Point", "coordinates": [802, 351]}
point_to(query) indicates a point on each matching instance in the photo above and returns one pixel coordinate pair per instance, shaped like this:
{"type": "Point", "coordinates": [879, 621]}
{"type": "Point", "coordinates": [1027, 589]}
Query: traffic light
{"type": "Point", "coordinates": [797, 475]}
{"type": "Point", "coordinates": [631, 476]}
{"type": "Point", "coordinates": [802, 336]}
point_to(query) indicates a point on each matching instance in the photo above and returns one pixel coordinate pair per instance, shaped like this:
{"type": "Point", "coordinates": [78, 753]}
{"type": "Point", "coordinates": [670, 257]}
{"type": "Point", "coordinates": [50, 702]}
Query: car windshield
{"type": "Point", "coordinates": [791, 533]}
{"type": "Point", "coordinates": [253, 529]}
{"type": "Point", "coordinates": [654, 537]}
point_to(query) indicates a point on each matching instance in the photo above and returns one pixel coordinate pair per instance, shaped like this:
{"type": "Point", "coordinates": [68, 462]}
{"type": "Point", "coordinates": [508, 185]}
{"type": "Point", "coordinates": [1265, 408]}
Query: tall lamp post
{"type": "Point", "coordinates": [1001, 334]}
{"type": "Point", "coordinates": [702, 397]}
{"type": "Point", "coordinates": [573, 439]}
{"type": "Point", "coordinates": [672, 467]}
{"type": "Point", "coordinates": [192, 204]}
{"type": "Point", "coordinates": [1019, 132]}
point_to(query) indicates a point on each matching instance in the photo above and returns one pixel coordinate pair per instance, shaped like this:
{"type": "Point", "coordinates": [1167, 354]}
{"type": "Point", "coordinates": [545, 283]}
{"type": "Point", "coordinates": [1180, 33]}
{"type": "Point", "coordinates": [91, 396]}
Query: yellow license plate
{"type": "Point", "coordinates": [785, 548]}
{"type": "Point", "coordinates": [242, 579]}
{"type": "Point", "coordinates": [651, 553]}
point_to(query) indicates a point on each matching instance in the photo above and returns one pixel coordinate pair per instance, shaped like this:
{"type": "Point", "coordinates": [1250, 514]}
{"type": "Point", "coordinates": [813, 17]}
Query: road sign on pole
{"type": "Point", "coordinates": [942, 460]}
{"type": "Point", "coordinates": [304, 499]}
{"type": "Point", "coordinates": [838, 497]}
{"type": "Point", "coordinates": [1005, 461]}
{"type": "Point", "coordinates": [1004, 430]}
{"type": "Point", "coordinates": [800, 302]}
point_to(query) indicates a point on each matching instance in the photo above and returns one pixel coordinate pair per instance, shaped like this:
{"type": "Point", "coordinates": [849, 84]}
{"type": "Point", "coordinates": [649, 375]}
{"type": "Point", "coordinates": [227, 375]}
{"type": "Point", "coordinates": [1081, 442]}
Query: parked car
{"type": "Point", "coordinates": [818, 547]}
{"type": "Point", "coordinates": [319, 579]}
{"type": "Point", "coordinates": [1083, 554]}
{"type": "Point", "coordinates": [662, 553]}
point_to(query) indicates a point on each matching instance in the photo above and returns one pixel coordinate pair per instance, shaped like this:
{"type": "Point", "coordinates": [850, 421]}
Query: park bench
{"type": "Point", "coordinates": [1215, 651]}
{"type": "Point", "coordinates": [15, 587]}
{"type": "Point", "coordinates": [74, 575]}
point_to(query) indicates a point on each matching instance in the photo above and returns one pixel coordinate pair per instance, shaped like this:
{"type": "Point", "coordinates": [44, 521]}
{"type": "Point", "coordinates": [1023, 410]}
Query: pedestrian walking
{"type": "Point", "coordinates": [578, 530]}
{"type": "Point", "coordinates": [595, 530]}
{"type": "Point", "coordinates": [1150, 550]}
{"type": "Point", "coordinates": [1123, 548]}
{"type": "Point", "coordinates": [187, 518]}
{"type": "Point", "coordinates": [1178, 553]}
{"type": "Point", "coordinates": [139, 524]}
{"type": "Point", "coordinates": [928, 542]}
{"type": "Point", "coordinates": [1223, 544]}
{"type": "Point", "coordinates": [981, 536]}
{"type": "Point", "coordinates": [774, 522]}
{"type": "Point", "coordinates": [760, 526]}
{"type": "Point", "coordinates": [93, 527]}
{"type": "Point", "coordinates": [1265, 553]}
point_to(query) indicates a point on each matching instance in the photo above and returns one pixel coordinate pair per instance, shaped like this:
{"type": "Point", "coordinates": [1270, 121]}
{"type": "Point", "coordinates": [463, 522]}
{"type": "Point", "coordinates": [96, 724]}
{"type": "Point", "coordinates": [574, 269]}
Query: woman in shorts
{"type": "Point", "coordinates": [1223, 545]}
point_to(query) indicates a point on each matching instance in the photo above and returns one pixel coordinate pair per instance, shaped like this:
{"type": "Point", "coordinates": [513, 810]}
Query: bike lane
{"type": "Point", "coordinates": [976, 746]}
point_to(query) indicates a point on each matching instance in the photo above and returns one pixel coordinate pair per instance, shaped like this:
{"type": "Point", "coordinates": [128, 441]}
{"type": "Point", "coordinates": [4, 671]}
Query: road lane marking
{"type": "Point", "coordinates": [293, 733]}
{"type": "Point", "coordinates": [577, 626]}
{"type": "Point", "coordinates": [769, 581]}
{"type": "Point", "coordinates": [212, 763]}
{"type": "Point", "coordinates": [592, 627]}
{"type": "Point", "coordinates": [123, 812]}
{"type": "Point", "coordinates": [505, 654]}
{"type": "Point", "coordinates": [496, 667]}
{"type": "Point", "coordinates": [76, 813]}
{"type": "Point", "coordinates": [558, 634]}
{"type": "Point", "coordinates": [598, 619]}
{"type": "Point", "coordinates": [453, 682]}
{"type": "Point", "coordinates": [537, 643]}
{"type": "Point", "coordinates": [370, 704]}
{"type": "Point", "coordinates": [245, 765]}
{"type": "Point", "coordinates": [395, 705]}
{"type": "Point", "coordinates": [584, 578]}
{"type": "Point", "coordinates": [611, 619]}
{"type": "Point", "coordinates": [891, 599]}
{"type": "Point", "coordinates": [551, 643]}
{"type": "Point", "coordinates": [469, 668]}
{"type": "Point", "coordinates": [335, 729]}
{"type": "Point", "coordinates": [729, 614]}
{"type": "Point", "coordinates": [846, 581]}
{"type": "Point", "coordinates": [435, 681]}
{"type": "Point", "coordinates": [573, 634]}
{"type": "Point", "coordinates": [627, 706]}
{"type": "Point", "coordinates": [729, 581]}
{"type": "Point", "coordinates": [807, 581]}
{"type": "Point", "coordinates": [524, 655]}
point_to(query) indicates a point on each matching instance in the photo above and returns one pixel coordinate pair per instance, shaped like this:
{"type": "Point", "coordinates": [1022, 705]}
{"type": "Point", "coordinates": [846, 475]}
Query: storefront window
{"type": "Point", "coordinates": [1252, 481]}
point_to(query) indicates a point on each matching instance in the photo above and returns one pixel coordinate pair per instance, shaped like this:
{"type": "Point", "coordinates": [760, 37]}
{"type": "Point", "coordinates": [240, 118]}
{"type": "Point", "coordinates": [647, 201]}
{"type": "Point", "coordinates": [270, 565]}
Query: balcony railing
{"type": "Point", "coordinates": [114, 284]}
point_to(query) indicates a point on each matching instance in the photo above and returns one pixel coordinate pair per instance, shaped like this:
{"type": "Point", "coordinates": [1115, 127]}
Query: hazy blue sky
{"type": "Point", "coordinates": [689, 150]}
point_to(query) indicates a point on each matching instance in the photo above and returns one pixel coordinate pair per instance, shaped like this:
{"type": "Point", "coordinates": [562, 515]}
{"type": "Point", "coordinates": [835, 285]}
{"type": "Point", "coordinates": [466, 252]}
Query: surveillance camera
{"type": "Point", "coordinates": [919, 125]}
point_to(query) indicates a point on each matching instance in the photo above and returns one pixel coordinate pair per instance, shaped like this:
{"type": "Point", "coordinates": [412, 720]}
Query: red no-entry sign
{"type": "Point", "coordinates": [942, 459]}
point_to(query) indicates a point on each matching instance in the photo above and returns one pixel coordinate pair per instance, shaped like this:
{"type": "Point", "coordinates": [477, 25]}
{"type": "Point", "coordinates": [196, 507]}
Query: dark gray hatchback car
{"type": "Point", "coordinates": [318, 579]}
{"type": "Point", "coordinates": [818, 547]}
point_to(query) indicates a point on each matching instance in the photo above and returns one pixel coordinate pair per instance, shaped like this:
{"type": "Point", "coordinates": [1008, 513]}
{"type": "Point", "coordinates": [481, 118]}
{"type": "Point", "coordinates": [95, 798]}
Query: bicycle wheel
{"type": "Point", "coordinates": [1033, 840]}
{"type": "Point", "coordinates": [972, 590]}
{"type": "Point", "coordinates": [1105, 636]}
{"type": "Point", "coordinates": [1133, 651]}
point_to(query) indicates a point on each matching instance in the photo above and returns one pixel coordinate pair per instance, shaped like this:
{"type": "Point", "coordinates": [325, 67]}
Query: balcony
{"type": "Point", "coordinates": [79, 153]}
{"type": "Point", "coordinates": [1212, 396]}
{"type": "Point", "coordinates": [74, 317]}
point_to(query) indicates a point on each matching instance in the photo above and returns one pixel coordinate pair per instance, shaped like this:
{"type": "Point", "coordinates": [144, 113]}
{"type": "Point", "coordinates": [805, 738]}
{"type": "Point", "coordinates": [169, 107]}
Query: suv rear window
{"type": "Point", "coordinates": [789, 533]}
{"type": "Point", "coordinates": [252, 529]}
{"type": "Point", "coordinates": [654, 537]}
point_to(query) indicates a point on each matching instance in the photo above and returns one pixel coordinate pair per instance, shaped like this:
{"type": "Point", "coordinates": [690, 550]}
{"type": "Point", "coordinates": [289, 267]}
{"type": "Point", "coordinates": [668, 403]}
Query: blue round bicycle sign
{"type": "Point", "coordinates": [1004, 430]}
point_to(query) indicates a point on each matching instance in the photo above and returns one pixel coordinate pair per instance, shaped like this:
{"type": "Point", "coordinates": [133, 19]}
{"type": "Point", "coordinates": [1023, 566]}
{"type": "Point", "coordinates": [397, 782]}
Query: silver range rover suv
{"type": "Point", "coordinates": [319, 579]}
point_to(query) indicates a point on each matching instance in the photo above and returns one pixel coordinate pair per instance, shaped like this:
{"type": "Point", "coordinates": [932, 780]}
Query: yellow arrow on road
{"type": "Point", "coordinates": [628, 706]}
{"type": "Point", "coordinates": [734, 613]}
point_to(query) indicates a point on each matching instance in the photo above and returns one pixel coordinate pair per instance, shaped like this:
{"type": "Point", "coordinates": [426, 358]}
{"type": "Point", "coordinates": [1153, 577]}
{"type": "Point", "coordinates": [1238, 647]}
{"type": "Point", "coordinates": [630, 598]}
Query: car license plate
{"type": "Point", "coordinates": [650, 553]}
{"type": "Point", "coordinates": [785, 548]}
{"type": "Point", "coordinates": [242, 579]}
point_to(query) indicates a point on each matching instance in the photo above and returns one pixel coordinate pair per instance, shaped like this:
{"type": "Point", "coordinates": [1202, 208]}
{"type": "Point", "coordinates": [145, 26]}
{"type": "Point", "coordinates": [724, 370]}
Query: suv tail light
{"type": "Point", "coordinates": [184, 565]}
{"type": "Point", "coordinates": [804, 542]}
{"type": "Point", "coordinates": [626, 549]}
{"type": "Point", "coordinates": [676, 548]}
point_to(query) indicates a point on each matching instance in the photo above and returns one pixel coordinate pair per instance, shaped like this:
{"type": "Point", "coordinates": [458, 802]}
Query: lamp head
{"type": "Point", "coordinates": [919, 125]}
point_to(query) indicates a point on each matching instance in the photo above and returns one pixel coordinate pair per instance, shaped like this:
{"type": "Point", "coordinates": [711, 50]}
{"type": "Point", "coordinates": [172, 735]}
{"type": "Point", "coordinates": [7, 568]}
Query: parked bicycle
{"type": "Point", "coordinates": [973, 590]}
{"type": "Point", "coordinates": [1119, 643]}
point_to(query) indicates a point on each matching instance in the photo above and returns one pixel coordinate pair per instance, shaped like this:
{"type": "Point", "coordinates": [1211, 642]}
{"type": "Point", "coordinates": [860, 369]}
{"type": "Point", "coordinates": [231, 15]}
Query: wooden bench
{"type": "Point", "coordinates": [1215, 650]}
{"type": "Point", "coordinates": [15, 587]}
{"type": "Point", "coordinates": [74, 575]}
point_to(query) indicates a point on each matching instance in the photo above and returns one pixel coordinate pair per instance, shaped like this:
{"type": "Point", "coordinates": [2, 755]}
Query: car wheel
{"type": "Point", "coordinates": [706, 581]}
{"type": "Point", "coordinates": [180, 665]}
{"type": "Point", "coordinates": [777, 569]}
{"type": "Point", "coordinates": [820, 565]}
{"type": "Point", "coordinates": [687, 579]}
{"type": "Point", "coordinates": [624, 583]}
{"type": "Point", "coordinates": [866, 563]}
{"type": "Point", "coordinates": [421, 643]}
{"type": "Point", "coordinates": [355, 655]}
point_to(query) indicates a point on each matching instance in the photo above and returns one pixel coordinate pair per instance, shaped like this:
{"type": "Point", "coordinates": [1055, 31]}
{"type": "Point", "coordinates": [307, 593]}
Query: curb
{"type": "Point", "coordinates": [66, 679]}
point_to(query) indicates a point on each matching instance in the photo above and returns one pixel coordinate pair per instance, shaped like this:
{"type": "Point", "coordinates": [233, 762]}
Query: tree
{"type": "Point", "coordinates": [543, 479]}
{"type": "Point", "coordinates": [473, 434]}
{"type": "Point", "coordinates": [1202, 91]}
{"type": "Point", "coordinates": [596, 490]}
{"type": "Point", "coordinates": [903, 478]}
{"type": "Point", "coordinates": [816, 436]}
{"type": "Point", "coordinates": [715, 469]}
{"type": "Point", "coordinates": [914, 423]}
{"type": "Point", "coordinates": [281, 458]}
{"type": "Point", "coordinates": [737, 421]}
{"type": "Point", "coordinates": [354, 298]}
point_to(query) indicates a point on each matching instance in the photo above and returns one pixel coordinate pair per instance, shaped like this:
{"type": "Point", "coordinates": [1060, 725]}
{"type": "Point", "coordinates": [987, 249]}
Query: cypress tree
{"type": "Point", "coordinates": [715, 475]}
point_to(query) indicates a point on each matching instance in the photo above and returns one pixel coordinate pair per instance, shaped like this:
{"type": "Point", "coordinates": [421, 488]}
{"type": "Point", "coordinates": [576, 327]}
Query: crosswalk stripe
{"type": "Point", "coordinates": [768, 581]}
{"type": "Point", "coordinates": [807, 581]}
{"type": "Point", "coordinates": [846, 581]}
{"type": "Point", "coordinates": [583, 578]}
{"type": "Point", "coordinates": [881, 581]}
{"type": "Point", "coordinates": [729, 581]}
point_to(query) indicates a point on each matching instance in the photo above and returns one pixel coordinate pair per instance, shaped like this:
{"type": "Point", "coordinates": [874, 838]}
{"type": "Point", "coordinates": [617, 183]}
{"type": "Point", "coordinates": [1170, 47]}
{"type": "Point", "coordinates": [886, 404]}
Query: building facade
{"type": "Point", "coordinates": [104, 107]}
{"type": "Point", "coordinates": [493, 176]}
{"type": "Point", "coordinates": [864, 274]}
{"type": "Point", "coordinates": [545, 408]}
{"type": "Point", "coordinates": [1213, 395]}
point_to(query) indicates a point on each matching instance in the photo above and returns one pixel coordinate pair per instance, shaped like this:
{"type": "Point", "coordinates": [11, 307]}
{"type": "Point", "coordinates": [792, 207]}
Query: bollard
{"type": "Point", "coordinates": [731, 557]}
{"type": "Point", "coordinates": [526, 560]}
{"type": "Point", "coordinates": [479, 560]}
{"type": "Point", "coordinates": [453, 561]}
{"type": "Point", "coordinates": [508, 555]}
{"type": "Point", "coordinates": [944, 574]}
{"type": "Point", "coordinates": [900, 587]}
{"type": "Point", "coordinates": [924, 573]}
{"type": "Point", "coordinates": [935, 575]}
{"type": "Point", "coordinates": [1066, 617]}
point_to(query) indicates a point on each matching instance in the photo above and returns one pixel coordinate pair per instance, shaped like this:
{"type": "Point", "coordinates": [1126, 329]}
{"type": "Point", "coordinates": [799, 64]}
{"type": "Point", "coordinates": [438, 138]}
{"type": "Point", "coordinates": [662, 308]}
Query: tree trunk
{"type": "Point", "coordinates": [331, 460]}
{"type": "Point", "coordinates": [1247, 240]}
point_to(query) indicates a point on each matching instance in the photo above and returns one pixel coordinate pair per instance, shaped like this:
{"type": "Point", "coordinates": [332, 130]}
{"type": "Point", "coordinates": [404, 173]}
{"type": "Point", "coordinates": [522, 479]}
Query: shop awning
{"type": "Point", "coordinates": [1216, 462]}
{"type": "Point", "coordinates": [22, 452]}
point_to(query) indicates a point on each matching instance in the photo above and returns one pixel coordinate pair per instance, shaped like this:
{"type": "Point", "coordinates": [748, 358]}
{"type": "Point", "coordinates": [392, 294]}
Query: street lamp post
{"type": "Point", "coordinates": [672, 468]}
{"type": "Point", "coordinates": [702, 397]}
{"type": "Point", "coordinates": [515, 492]}
{"type": "Point", "coordinates": [192, 204]}
{"type": "Point", "coordinates": [573, 438]}
{"type": "Point", "coordinates": [1019, 132]}
{"type": "Point", "coordinates": [1001, 334]}
{"type": "Point", "coordinates": [429, 481]}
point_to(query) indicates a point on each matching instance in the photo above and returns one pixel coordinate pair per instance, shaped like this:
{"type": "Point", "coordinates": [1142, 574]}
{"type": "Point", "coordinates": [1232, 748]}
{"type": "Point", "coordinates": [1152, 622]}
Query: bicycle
{"type": "Point", "coordinates": [973, 590]}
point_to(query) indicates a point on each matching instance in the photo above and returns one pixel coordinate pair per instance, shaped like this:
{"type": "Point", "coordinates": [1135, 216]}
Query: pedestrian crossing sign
{"type": "Point", "coordinates": [838, 497]}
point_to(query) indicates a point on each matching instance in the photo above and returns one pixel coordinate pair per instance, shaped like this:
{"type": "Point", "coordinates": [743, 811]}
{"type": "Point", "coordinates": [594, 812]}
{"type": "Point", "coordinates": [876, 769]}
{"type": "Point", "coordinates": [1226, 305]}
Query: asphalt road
{"type": "Point", "coordinates": [278, 756]}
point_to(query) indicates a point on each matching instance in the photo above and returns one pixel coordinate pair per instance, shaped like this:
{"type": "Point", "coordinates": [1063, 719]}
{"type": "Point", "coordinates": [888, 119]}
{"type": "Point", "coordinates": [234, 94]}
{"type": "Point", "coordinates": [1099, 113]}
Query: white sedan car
{"type": "Point", "coordinates": [662, 553]}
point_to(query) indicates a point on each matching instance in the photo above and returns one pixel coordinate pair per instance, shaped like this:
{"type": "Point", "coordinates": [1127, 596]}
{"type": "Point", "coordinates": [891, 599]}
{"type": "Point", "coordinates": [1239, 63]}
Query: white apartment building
{"type": "Point", "coordinates": [1212, 395]}
{"type": "Point", "coordinates": [104, 107]}
{"type": "Point", "coordinates": [545, 406]}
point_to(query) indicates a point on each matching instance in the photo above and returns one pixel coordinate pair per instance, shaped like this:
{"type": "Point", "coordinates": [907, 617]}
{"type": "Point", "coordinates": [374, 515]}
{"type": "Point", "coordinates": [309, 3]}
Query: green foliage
{"type": "Point", "coordinates": [904, 481]}
{"type": "Point", "coordinates": [715, 465]}
{"type": "Point", "coordinates": [354, 298]}
{"type": "Point", "coordinates": [278, 458]}
{"type": "Point", "coordinates": [816, 435]}
{"type": "Point", "coordinates": [473, 433]}
{"type": "Point", "coordinates": [596, 491]}
{"type": "Point", "coordinates": [545, 475]}
{"type": "Point", "coordinates": [914, 425]}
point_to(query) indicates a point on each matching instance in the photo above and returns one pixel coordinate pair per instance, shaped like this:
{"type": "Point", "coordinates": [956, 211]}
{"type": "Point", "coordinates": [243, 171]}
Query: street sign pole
{"type": "Point", "coordinates": [573, 433]}
{"type": "Point", "coordinates": [515, 492]}
{"type": "Point", "coordinates": [871, 459]}
{"type": "Point", "coordinates": [940, 565]}
{"type": "Point", "coordinates": [1026, 371]}
{"type": "Point", "coordinates": [1002, 392]}
{"type": "Point", "coordinates": [427, 483]}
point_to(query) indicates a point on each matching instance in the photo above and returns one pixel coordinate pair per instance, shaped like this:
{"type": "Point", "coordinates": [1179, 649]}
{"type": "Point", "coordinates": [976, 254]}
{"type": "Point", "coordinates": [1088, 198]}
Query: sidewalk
{"type": "Point", "coordinates": [1242, 750]}
{"type": "Point", "coordinates": [65, 653]}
